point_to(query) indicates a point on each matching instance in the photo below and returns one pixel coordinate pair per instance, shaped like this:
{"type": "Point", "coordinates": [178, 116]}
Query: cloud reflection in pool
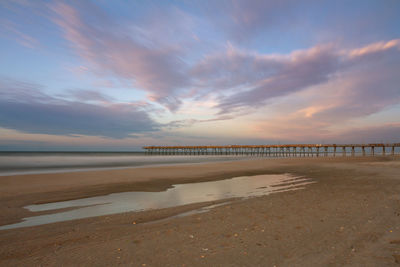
{"type": "Point", "coordinates": [180, 194]}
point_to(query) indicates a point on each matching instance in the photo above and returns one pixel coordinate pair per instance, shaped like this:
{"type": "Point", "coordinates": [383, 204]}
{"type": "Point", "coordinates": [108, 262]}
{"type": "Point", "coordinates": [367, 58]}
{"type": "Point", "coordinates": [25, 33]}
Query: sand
{"type": "Point", "coordinates": [350, 216]}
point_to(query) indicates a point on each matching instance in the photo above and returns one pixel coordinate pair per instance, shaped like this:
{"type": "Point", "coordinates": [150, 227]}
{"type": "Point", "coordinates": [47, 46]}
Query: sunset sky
{"type": "Point", "coordinates": [118, 75]}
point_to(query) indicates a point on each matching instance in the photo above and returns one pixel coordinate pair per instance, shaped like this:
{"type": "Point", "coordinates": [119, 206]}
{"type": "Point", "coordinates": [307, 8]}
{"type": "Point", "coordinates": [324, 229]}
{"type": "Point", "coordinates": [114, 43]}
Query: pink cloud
{"type": "Point", "coordinates": [250, 79]}
{"type": "Point", "coordinates": [373, 48]}
{"type": "Point", "coordinates": [243, 19]}
{"type": "Point", "coordinates": [247, 80]}
{"type": "Point", "coordinates": [346, 83]}
{"type": "Point", "coordinates": [312, 133]}
{"type": "Point", "coordinates": [311, 92]}
{"type": "Point", "coordinates": [241, 79]}
{"type": "Point", "coordinates": [10, 28]}
{"type": "Point", "coordinates": [159, 71]}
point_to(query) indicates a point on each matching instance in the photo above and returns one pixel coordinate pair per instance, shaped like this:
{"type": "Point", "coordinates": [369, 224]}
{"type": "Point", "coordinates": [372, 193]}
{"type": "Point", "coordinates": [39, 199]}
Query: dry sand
{"type": "Point", "coordinates": [351, 216]}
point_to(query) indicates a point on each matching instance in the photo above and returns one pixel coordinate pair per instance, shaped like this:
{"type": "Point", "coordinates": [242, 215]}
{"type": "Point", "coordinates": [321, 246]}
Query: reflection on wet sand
{"type": "Point", "coordinates": [180, 194]}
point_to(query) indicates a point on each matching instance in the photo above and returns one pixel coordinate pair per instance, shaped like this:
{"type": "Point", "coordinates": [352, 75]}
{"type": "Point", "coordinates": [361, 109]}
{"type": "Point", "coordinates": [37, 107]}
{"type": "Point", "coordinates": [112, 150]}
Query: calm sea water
{"type": "Point", "coordinates": [14, 163]}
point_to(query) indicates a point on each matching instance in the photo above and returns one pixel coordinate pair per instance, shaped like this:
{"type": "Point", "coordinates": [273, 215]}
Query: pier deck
{"type": "Point", "coordinates": [289, 150]}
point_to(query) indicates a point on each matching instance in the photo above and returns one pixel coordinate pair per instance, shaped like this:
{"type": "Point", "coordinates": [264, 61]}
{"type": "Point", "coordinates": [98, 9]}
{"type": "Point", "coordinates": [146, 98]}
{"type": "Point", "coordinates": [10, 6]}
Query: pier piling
{"type": "Point", "coordinates": [290, 150]}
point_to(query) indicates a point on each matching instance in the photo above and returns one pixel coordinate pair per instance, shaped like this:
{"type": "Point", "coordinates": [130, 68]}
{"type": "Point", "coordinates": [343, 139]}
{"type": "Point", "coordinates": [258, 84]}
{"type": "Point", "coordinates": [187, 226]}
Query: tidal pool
{"type": "Point", "coordinates": [178, 195]}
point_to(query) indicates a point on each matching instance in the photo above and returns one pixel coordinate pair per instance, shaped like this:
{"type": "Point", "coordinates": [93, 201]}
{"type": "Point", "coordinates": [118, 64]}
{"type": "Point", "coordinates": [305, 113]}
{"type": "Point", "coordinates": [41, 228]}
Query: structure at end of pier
{"type": "Point", "coordinates": [290, 150]}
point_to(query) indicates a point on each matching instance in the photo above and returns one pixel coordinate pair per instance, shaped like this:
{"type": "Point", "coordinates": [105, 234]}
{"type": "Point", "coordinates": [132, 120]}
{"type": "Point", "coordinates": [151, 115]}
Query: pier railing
{"type": "Point", "coordinates": [290, 150]}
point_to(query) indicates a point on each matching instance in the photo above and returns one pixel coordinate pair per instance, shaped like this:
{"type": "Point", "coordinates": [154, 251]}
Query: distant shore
{"type": "Point", "coordinates": [350, 216]}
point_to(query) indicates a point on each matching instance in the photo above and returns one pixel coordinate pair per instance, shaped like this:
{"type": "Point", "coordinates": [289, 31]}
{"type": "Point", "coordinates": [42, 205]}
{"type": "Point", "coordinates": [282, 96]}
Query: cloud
{"type": "Point", "coordinates": [157, 69]}
{"type": "Point", "coordinates": [233, 68]}
{"type": "Point", "coordinates": [8, 28]}
{"type": "Point", "coordinates": [288, 22]}
{"type": "Point", "coordinates": [366, 83]}
{"type": "Point", "coordinates": [247, 18]}
{"type": "Point", "coordinates": [89, 95]}
{"type": "Point", "coordinates": [373, 48]}
{"type": "Point", "coordinates": [308, 94]}
{"type": "Point", "coordinates": [306, 128]}
{"type": "Point", "coordinates": [190, 122]}
{"type": "Point", "coordinates": [246, 80]}
{"type": "Point", "coordinates": [241, 79]}
{"type": "Point", "coordinates": [24, 108]}
{"type": "Point", "coordinates": [280, 75]}
{"type": "Point", "coordinates": [388, 132]}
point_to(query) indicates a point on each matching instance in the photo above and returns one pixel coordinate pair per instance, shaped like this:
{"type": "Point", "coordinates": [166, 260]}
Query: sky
{"type": "Point", "coordinates": [119, 75]}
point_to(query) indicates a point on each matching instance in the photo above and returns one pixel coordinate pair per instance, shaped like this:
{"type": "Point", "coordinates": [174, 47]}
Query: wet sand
{"type": "Point", "coordinates": [351, 216]}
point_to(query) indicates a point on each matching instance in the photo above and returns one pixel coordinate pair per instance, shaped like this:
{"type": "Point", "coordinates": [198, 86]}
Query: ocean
{"type": "Point", "coordinates": [16, 163]}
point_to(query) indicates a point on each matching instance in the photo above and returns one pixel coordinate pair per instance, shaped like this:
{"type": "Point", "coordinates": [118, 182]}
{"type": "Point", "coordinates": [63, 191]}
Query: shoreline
{"type": "Point", "coordinates": [353, 206]}
{"type": "Point", "coordinates": [229, 158]}
{"type": "Point", "coordinates": [122, 167]}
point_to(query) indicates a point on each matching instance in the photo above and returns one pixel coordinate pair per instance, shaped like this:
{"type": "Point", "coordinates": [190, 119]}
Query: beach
{"type": "Point", "coordinates": [349, 216]}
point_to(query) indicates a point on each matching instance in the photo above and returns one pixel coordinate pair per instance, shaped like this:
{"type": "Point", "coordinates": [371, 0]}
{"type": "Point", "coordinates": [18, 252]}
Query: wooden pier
{"type": "Point", "coordinates": [291, 150]}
